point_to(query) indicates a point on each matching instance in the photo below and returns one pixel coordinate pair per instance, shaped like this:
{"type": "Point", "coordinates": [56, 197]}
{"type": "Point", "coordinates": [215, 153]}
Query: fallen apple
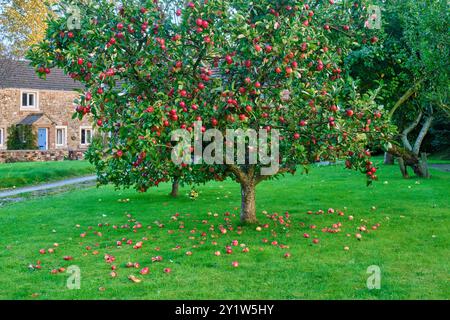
{"type": "Point", "coordinates": [144, 271]}
{"type": "Point", "coordinates": [134, 279]}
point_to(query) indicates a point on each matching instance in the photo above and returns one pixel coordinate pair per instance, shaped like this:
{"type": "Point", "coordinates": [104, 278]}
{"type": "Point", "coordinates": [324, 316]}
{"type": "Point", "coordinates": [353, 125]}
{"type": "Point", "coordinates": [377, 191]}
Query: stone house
{"type": "Point", "coordinates": [45, 105]}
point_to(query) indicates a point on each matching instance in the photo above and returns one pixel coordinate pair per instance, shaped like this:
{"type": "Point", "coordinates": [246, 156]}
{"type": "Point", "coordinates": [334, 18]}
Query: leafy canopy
{"type": "Point", "coordinates": [231, 64]}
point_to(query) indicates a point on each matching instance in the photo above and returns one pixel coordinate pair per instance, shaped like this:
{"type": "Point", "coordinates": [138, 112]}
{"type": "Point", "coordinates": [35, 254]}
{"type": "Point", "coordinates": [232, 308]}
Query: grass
{"type": "Point", "coordinates": [411, 246]}
{"type": "Point", "coordinates": [31, 173]}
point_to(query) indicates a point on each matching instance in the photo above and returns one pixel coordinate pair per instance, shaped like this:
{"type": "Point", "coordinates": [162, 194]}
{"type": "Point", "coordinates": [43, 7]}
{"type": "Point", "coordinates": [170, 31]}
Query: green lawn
{"type": "Point", "coordinates": [30, 173]}
{"type": "Point", "coordinates": [411, 246]}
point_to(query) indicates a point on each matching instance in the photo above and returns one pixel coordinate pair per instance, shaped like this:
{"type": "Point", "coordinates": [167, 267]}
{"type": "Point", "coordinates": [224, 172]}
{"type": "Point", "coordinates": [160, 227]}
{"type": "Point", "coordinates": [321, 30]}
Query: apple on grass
{"type": "Point", "coordinates": [144, 271]}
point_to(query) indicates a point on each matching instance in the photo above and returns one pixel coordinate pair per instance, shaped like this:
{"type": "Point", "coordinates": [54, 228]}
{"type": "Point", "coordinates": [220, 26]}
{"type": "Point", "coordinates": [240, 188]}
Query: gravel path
{"type": "Point", "coordinates": [47, 186]}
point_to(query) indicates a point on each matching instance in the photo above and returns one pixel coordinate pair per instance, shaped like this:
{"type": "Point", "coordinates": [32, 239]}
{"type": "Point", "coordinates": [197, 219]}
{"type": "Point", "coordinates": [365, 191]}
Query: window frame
{"type": "Point", "coordinates": [86, 128]}
{"type": "Point", "coordinates": [64, 142]}
{"type": "Point", "coordinates": [36, 100]}
{"type": "Point", "coordinates": [2, 137]}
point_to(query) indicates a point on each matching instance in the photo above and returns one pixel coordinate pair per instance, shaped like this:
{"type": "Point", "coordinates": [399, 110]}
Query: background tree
{"type": "Point", "coordinates": [230, 64]}
{"type": "Point", "coordinates": [412, 65]}
{"type": "Point", "coordinates": [22, 24]}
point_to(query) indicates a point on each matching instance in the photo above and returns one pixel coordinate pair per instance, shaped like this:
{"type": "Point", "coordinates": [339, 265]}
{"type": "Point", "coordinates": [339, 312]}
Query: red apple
{"type": "Point", "coordinates": [144, 271]}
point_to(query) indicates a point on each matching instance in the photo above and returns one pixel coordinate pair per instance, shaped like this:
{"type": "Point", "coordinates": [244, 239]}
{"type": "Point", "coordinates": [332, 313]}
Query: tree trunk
{"type": "Point", "coordinates": [175, 187]}
{"type": "Point", "coordinates": [403, 168]}
{"type": "Point", "coordinates": [424, 165]}
{"type": "Point", "coordinates": [388, 158]}
{"type": "Point", "coordinates": [248, 206]}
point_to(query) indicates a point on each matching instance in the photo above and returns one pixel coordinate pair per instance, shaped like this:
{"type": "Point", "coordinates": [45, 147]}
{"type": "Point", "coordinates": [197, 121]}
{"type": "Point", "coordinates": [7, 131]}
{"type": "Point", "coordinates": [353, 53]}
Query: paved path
{"type": "Point", "coordinates": [47, 186]}
{"type": "Point", "coordinates": [441, 167]}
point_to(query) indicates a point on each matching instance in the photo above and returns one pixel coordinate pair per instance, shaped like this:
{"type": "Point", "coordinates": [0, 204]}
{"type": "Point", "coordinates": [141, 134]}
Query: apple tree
{"type": "Point", "coordinates": [267, 65]}
{"type": "Point", "coordinates": [412, 64]}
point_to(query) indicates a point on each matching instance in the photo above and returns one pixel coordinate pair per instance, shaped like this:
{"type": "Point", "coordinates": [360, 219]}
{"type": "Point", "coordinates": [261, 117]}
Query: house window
{"type": "Point", "coordinates": [86, 136]}
{"type": "Point", "coordinates": [29, 101]}
{"type": "Point", "coordinates": [61, 136]}
{"type": "Point", "coordinates": [2, 137]}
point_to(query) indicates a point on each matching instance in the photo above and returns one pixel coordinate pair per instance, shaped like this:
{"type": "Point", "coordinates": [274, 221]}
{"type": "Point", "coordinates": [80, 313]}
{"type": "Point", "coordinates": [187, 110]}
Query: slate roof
{"type": "Point", "coordinates": [19, 74]}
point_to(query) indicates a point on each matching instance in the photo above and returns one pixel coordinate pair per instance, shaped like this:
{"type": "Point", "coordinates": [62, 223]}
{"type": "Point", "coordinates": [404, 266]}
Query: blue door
{"type": "Point", "coordinates": [42, 138]}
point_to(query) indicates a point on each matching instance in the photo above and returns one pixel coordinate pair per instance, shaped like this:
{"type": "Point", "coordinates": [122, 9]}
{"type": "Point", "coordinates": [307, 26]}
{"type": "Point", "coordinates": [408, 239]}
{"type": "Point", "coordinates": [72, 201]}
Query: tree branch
{"type": "Point", "coordinates": [405, 97]}
{"type": "Point", "coordinates": [423, 132]}
{"type": "Point", "coordinates": [240, 176]}
{"type": "Point", "coordinates": [408, 130]}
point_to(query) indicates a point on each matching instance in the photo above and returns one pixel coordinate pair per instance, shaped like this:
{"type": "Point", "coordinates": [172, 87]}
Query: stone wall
{"type": "Point", "coordinates": [39, 156]}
